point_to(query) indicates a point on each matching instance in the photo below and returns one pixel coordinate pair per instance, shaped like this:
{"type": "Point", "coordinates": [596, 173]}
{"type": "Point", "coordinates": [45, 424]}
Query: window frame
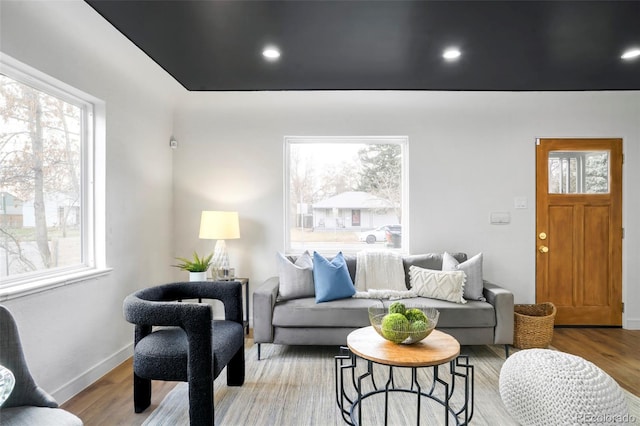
{"type": "Point", "coordinates": [92, 181]}
{"type": "Point", "coordinates": [403, 141]}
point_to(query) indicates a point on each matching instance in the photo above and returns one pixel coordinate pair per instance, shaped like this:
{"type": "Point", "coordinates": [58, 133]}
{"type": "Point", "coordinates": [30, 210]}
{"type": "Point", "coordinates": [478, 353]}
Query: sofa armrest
{"type": "Point", "coordinates": [502, 301]}
{"type": "Point", "coordinates": [264, 299]}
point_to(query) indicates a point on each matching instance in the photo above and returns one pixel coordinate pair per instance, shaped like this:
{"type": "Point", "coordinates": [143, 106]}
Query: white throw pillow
{"type": "Point", "coordinates": [443, 285]}
{"type": "Point", "coordinates": [296, 279]}
{"type": "Point", "coordinates": [474, 286]}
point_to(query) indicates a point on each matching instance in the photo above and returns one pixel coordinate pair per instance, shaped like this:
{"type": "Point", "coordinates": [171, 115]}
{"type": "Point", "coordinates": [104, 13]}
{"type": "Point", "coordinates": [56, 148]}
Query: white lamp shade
{"type": "Point", "coordinates": [218, 225]}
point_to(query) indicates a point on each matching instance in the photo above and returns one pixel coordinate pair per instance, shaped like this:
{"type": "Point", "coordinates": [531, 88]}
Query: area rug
{"type": "Point", "coordinates": [295, 385]}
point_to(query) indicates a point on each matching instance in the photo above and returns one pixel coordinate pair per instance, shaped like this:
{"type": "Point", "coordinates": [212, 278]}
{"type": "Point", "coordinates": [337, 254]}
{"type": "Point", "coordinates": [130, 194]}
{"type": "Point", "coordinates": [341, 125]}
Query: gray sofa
{"type": "Point", "coordinates": [305, 322]}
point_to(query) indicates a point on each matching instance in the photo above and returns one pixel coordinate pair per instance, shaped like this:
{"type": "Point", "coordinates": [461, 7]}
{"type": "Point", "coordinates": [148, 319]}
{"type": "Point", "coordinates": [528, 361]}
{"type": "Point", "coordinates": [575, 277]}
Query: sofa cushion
{"type": "Point", "coordinates": [443, 285]}
{"type": "Point", "coordinates": [473, 269]}
{"type": "Point", "coordinates": [331, 278]}
{"type": "Point", "coordinates": [335, 313]}
{"type": "Point", "coordinates": [472, 314]}
{"type": "Point", "coordinates": [296, 277]}
{"type": "Point", "coordinates": [354, 312]}
{"type": "Point", "coordinates": [351, 261]}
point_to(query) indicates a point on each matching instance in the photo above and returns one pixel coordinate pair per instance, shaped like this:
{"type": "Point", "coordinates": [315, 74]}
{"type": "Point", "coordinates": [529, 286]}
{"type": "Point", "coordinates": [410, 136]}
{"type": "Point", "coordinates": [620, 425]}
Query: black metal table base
{"type": "Point", "coordinates": [350, 388]}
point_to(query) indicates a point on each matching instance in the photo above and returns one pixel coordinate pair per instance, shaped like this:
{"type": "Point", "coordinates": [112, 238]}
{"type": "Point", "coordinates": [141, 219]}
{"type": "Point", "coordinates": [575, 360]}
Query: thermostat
{"type": "Point", "coordinates": [500, 218]}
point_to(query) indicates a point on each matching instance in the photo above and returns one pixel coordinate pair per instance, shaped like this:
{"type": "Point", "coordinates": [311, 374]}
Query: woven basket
{"type": "Point", "coordinates": [533, 325]}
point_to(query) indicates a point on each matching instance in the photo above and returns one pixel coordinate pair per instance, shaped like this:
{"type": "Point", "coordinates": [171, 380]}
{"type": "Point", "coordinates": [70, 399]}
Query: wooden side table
{"type": "Point", "coordinates": [437, 349]}
{"type": "Point", "coordinates": [245, 283]}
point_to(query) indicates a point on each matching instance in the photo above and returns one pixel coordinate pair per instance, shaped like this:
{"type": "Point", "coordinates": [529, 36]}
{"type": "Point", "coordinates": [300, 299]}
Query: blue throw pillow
{"type": "Point", "coordinates": [331, 279]}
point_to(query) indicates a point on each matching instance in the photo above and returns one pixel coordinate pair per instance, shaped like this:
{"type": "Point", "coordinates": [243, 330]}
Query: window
{"type": "Point", "coordinates": [346, 193]}
{"type": "Point", "coordinates": [577, 172]}
{"type": "Point", "coordinates": [48, 181]}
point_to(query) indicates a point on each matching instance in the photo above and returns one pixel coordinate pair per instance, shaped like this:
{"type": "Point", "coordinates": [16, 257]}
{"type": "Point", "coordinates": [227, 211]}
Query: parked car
{"type": "Point", "coordinates": [375, 235]}
{"type": "Point", "coordinates": [393, 236]}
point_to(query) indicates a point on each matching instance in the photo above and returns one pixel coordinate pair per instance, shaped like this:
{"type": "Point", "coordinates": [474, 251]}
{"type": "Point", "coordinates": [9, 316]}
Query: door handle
{"type": "Point", "coordinates": [543, 249]}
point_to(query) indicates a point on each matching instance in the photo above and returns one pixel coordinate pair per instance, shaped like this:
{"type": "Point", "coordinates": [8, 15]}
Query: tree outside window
{"type": "Point", "coordinates": [41, 143]}
{"type": "Point", "coordinates": [345, 193]}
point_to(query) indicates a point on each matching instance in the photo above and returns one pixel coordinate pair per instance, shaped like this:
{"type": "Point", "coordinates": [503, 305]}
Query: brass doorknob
{"type": "Point", "coordinates": [543, 249]}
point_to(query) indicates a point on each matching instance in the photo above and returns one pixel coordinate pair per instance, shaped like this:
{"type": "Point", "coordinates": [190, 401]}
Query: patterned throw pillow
{"type": "Point", "coordinates": [443, 285]}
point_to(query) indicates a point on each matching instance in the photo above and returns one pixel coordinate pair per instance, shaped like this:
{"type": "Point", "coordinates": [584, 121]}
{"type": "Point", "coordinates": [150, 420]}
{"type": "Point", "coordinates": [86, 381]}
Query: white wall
{"type": "Point", "coordinates": [470, 154]}
{"type": "Point", "coordinates": [74, 334]}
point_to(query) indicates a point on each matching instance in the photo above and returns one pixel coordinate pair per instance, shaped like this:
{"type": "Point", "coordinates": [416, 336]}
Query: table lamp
{"type": "Point", "coordinates": [221, 226]}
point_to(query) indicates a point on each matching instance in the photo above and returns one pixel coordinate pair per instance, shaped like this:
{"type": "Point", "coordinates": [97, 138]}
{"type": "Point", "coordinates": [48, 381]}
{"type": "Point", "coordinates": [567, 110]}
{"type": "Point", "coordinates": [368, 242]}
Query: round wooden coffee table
{"type": "Point", "coordinates": [437, 349]}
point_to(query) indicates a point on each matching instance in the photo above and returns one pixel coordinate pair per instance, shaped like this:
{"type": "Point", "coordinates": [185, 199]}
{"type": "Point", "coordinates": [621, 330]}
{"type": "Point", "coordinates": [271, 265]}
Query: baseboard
{"type": "Point", "coordinates": [81, 382]}
{"type": "Point", "coordinates": [632, 324]}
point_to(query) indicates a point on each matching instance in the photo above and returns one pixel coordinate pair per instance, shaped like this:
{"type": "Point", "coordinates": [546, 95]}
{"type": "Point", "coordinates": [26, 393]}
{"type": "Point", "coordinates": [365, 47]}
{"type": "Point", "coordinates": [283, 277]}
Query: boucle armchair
{"type": "Point", "coordinates": [189, 346]}
{"type": "Point", "coordinates": [28, 404]}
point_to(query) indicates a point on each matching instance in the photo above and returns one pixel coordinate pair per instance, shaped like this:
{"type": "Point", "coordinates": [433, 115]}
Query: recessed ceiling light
{"type": "Point", "coordinates": [630, 54]}
{"type": "Point", "coordinates": [271, 53]}
{"type": "Point", "coordinates": [451, 54]}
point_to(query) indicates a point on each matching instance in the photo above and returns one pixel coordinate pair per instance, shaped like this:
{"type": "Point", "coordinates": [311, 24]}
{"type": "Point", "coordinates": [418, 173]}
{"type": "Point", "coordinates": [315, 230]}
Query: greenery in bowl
{"type": "Point", "coordinates": [400, 324]}
{"type": "Point", "coordinates": [197, 264]}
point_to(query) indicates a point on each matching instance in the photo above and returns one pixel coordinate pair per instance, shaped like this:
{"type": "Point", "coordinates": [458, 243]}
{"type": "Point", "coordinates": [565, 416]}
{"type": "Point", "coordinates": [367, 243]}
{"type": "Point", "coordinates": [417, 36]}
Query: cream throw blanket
{"type": "Point", "coordinates": [380, 275]}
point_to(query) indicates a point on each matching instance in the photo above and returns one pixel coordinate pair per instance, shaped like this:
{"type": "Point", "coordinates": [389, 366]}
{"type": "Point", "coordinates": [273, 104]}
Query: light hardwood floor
{"type": "Point", "coordinates": [615, 350]}
{"type": "Point", "coordinates": [109, 401]}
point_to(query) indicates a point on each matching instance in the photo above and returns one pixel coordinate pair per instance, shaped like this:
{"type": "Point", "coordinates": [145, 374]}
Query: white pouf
{"type": "Point", "coordinates": [547, 387]}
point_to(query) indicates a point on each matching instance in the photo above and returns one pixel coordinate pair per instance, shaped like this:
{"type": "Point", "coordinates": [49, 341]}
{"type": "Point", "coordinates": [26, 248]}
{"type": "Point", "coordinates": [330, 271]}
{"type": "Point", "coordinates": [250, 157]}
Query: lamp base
{"type": "Point", "coordinates": [220, 261]}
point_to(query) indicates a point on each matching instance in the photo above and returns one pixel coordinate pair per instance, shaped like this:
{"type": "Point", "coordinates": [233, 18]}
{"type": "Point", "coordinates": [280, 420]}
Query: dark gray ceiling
{"type": "Point", "coordinates": [360, 45]}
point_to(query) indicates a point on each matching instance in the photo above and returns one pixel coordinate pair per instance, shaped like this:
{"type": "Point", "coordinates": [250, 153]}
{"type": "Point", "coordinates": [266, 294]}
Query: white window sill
{"type": "Point", "coordinates": [38, 285]}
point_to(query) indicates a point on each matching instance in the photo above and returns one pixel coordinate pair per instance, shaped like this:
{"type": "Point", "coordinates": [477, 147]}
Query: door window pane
{"type": "Point", "coordinates": [578, 172]}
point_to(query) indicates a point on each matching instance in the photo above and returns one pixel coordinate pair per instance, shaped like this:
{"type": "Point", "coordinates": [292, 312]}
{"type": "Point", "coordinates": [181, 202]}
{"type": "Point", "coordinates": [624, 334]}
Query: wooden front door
{"type": "Point", "coordinates": [579, 229]}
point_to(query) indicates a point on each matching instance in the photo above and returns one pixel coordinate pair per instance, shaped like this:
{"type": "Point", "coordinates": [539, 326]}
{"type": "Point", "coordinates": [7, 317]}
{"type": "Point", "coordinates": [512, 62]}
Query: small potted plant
{"type": "Point", "coordinates": [197, 266]}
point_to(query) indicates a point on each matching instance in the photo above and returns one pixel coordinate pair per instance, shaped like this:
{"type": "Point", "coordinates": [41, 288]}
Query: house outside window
{"type": "Point", "coordinates": [346, 194]}
{"type": "Point", "coordinates": [49, 187]}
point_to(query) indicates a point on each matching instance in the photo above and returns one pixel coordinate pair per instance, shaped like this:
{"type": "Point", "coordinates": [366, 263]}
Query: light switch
{"type": "Point", "coordinates": [500, 218]}
{"type": "Point", "coordinates": [520, 202]}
